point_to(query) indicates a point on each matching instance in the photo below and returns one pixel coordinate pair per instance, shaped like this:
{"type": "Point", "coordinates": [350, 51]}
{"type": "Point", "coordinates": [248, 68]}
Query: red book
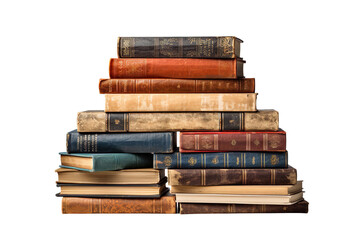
{"type": "Point", "coordinates": [233, 141]}
{"type": "Point", "coordinates": [176, 68]}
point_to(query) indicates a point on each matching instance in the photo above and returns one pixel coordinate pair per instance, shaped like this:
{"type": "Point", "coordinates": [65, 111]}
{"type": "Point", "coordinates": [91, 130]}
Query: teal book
{"type": "Point", "coordinates": [95, 162]}
{"type": "Point", "coordinates": [221, 160]}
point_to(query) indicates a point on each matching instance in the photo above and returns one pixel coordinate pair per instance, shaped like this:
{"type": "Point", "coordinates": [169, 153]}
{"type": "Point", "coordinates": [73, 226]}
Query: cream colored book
{"type": "Point", "coordinates": [240, 189]}
{"type": "Point", "coordinates": [239, 199]}
{"type": "Point", "coordinates": [176, 102]}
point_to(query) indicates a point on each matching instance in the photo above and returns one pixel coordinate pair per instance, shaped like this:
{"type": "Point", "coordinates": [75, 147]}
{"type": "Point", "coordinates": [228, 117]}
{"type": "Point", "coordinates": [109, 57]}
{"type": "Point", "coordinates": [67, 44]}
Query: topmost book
{"type": "Point", "coordinates": [179, 47]}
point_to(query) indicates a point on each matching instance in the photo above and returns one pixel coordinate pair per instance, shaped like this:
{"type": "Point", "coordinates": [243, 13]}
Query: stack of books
{"type": "Point", "coordinates": [231, 156]}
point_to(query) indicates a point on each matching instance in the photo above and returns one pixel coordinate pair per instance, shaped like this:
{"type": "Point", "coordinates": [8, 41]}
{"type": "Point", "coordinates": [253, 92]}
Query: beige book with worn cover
{"type": "Point", "coordinates": [196, 102]}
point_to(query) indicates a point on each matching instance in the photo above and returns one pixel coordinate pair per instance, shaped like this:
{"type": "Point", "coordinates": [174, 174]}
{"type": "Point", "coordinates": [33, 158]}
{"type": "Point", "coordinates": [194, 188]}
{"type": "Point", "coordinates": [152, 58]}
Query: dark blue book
{"type": "Point", "coordinates": [152, 142]}
{"type": "Point", "coordinates": [221, 160]}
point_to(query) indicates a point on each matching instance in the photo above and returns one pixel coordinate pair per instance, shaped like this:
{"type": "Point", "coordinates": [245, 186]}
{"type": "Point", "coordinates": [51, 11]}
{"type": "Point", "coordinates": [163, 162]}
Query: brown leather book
{"type": "Point", "coordinates": [192, 208]}
{"type": "Point", "coordinates": [233, 141]}
{"type": "Point", "coordinates": [176, 68]}
{"type": "Point", "coordinates": [171, 85]}
{"type": "Point", "coordinates": [165, 204]}
{"type": "Point", "coordinates": [217, 177]}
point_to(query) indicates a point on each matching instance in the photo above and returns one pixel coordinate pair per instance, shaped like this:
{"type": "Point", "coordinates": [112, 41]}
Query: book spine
{"type": "Point", "coordinates": [176, 68]}
{"type": "Point", "coordinates": [193, 208]}
{"type": "Point", "coordinates": [165, 204]}
{"type": "Point", "coordinates": [217, 177]}
{"type": "Point", "coordinates": [120, 142]}
{"type": "Point", "coordinates": [211, 102]}
{"type": "Point", "coordinates": [110, 162]}
{"type": "Point", "coordinates": [232, 141]}
{"type": "Point", "coordinates": [178, 47]}
{"type": "Point", "coordinates": [163, 85]}
{"type": "Point", "coordinates": [221, 160]}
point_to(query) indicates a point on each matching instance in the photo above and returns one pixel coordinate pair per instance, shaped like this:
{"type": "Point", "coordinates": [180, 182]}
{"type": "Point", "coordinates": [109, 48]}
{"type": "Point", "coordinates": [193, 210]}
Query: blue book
{"type": "Point", "coordinates": [95, 162]}
{"type": "Point", "coordinates": [152, 142]}
{"type": "Point", "coordinates": [221, 160]}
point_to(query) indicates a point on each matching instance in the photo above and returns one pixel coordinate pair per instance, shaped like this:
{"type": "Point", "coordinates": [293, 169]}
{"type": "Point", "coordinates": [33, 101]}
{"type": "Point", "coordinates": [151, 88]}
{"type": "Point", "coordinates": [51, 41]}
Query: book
{"type": "Point", "coordinates": [94, 162]}
{"type": "Point", "coordinates": [192, 208]}
{"type": "Point", "coordinates": [125, 176]}
{"type": "Point", "coordinates": [181, 102]}
{"type": "Point", "coordinates": [239, 198]}
{"type": "Point", "coordinates": [218, 177]}
{"type": "Point", "coordinates": [221, 160]}
{"type": "Point", "coordinates": [113, 190]}
{"type": "Point", "coordinates": [240, 189]}
{"type": "Point", "coordinates": [176, 68]}
{"type": "Point", "coordinates": [233, 141]}
{"type": "Point", "coordinates": [156, 142]}
{"type": "Point", "coordinates": [172, 85]}
{"type": "Point", "coordinates": [179, 47]}
{"type": "Point", "coordinates": [165, 204]}
{"type": "Point", "coordinates": [100, 121]}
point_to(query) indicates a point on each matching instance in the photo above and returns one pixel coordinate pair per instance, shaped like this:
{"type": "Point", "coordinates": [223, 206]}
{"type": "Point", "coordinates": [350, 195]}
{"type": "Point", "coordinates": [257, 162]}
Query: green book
{"type": "Point", "coordinates": [95, 162]}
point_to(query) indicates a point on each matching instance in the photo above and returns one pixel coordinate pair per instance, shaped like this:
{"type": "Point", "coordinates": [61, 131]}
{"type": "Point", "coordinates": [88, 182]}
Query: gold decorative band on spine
{"type": "Point", "coordinates": [216, 141]}
{"type": "Point", "coordinates": [248, 141]}
{"type": "Point", "coordinates": [197, 142]}
{"type": "Point", "coordinates": [242, 122]}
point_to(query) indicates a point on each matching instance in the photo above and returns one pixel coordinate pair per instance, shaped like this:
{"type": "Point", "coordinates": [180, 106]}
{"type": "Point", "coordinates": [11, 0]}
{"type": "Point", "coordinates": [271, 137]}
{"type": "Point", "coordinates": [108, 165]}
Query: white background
{"type": "Point", "coordinates": [304, 56]}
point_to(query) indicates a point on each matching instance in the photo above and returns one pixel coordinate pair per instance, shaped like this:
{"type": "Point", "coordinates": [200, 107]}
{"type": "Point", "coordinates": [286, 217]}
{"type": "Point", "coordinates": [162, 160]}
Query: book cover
{"type": "Point", "coordinates": [156, 142]}
{"type": "Point", "coordinates": [179, 47]}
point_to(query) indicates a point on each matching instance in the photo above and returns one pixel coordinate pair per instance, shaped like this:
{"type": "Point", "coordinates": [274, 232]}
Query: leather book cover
{"type": "Point", "coordinates": [165, 204]}
{"type": "Point", "coordinates": [217, 177]}
{"type": "Point", "coordinates": [178, 160]}
{"type": "Point", "coordinates": [176, 68]}
{"type": "Point", "coordinates": [171, 85]}
{"type": "Point", "coordinates": [156, 142]}
{"type": "Point", "coordinates": [179, 47]}
{"type": "Point", "coordinates": [99, 121]}
{"type": "Point", "coordinates": [233, 141]}
{"type": "Point", "coordinates": [181, 102]}
{"type": "Point", "coordinates": [193, 208]}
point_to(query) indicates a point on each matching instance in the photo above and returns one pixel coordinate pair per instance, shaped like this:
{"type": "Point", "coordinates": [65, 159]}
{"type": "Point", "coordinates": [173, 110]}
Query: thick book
{"type": "Point", "coordinates": [165, 204]}
{"type": "Point", "coordinates": [239, 198]}
{"type": "Point", "coordinates": [125, 176]}
{"type": "Point", "coordinates": [100, 121]}
{"type": "Point", "coordinates": [240, 189]}
{"type": "Point", "coordinates": [217, 177]}
{"type": "Point", "coordinates": [233, 141]}
{"type": "Point", "coordinates": [172, 85]}
{"type": "Point", "coordinates": [179, 47]}
{"type": "Point", "coordinates": [176, 68]}
{"type": "Point", "coordinates": [221, 160]}
{"type": "Point", "coordinates": [156, 142]}
{"type": "Point", "coordinates": [94, 162]}
{"type": "Point", "coordinates": [181, 102]}
{"type": "Point", "coordinates": [201, 208]}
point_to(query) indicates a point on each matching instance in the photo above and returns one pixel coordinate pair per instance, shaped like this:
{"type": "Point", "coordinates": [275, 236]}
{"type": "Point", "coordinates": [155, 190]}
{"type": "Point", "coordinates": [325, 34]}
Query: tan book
{"type": "Point", "coordinates": [239, 199]}
{"type": "Point", "coordinates": [126, 176]}
{"type": "Point", "coordinates": [100, 121]}
{"type": "Point", "coordinates": [240, 189]}
{"type": "Point", "coordinates": [197, 102]}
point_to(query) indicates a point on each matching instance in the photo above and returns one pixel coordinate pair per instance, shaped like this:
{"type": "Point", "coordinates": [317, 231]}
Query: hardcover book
{"type": "Point", "coordinates": [221, 160]}
{"type": "Point", "coordinates": [156, 142]}
{"type": "Point", "coordinates": [218, 177]}
{"type": "Point", "coordinates": [172, 85]}
{"type": "Point", "coordinates": [192, 208]}
{"type": "Point", "coordinates": [233, 141]}
{"type": "Point", "coordinates": [125, 176]}
{"type": "Point", "coordinates": [99, 121]}
{"type": "Point", "coordinates": [176, 68]}
{"type": "Point", "coordinates": [165, 204]}
{"type": "Point", "coordinates": [94, 162]}
{"type": "Point", "coordinates": [178, 102]}
{"type": "Point", "coordinates": [179, 47]}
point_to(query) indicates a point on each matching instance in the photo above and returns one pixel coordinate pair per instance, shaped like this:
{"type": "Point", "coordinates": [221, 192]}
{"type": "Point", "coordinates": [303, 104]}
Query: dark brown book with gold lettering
{"type": "Point", "coordinates": [216, 177]}
{"type": "Point", "coordinates": [172, 85]}
{"type": "Point", "coordinates": [191, 208]}
{"type": "Point", "coordinates": [165, 204]}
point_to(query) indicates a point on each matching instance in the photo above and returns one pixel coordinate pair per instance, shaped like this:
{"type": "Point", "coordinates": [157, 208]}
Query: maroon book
{"type": "Point", "coordinates": [233, 141]}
